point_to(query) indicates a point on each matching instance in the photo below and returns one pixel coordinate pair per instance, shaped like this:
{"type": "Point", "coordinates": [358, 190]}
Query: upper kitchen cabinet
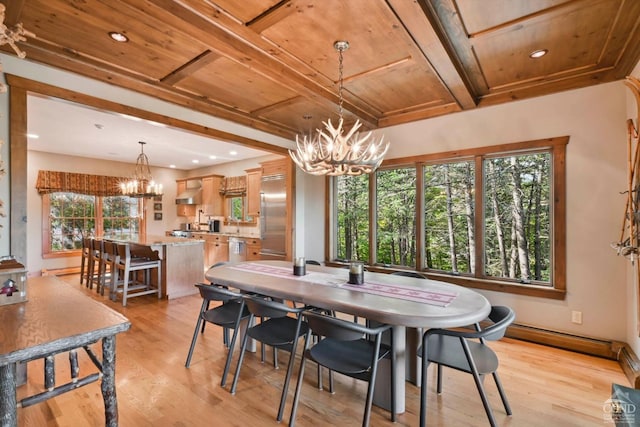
{"type": "Point", "coordinates": [253, 192]}
{"type": "Point", "coordinates": [212, 201]}
{"type": "Point", "coordinates": [184, 209]}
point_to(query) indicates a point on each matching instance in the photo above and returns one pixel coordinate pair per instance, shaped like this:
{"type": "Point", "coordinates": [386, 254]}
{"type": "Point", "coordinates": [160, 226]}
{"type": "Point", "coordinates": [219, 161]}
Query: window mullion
{"type": "Point", "coordinates": [479, 215]}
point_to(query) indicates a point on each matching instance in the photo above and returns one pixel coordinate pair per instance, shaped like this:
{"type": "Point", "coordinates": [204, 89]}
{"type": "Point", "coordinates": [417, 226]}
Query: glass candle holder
{"type": "Point", "coordinates": [299, 267]}
{"type": "Point", "coordinates": [356, 273]}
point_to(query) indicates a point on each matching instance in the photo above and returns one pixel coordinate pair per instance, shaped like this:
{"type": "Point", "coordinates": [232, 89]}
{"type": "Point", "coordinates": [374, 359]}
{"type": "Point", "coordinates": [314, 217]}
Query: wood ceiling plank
{"type": "Point", "coordinates": [170, 94]}
{"type": "Point", "coordinates": [190, 67]}
{"type": "Point", "coordinates": [246, 47]}
{"type": "Point", "coordinates": [416, 18]}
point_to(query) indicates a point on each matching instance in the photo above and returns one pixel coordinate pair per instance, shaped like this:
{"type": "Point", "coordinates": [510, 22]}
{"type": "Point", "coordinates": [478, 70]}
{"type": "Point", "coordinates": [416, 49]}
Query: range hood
{"type": "Point", "coordinates": [192, 195]}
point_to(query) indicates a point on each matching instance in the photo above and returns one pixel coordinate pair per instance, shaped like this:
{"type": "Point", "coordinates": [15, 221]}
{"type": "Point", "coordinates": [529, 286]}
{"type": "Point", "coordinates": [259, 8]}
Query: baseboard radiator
{"type": "Point", "coordinates": [614, 350]}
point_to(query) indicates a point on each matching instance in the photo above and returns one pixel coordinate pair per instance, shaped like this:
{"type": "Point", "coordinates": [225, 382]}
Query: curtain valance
{"type": "Point", "coordinates": [233, 185]}
{"type": "Point", "coordinates": [93, 185]}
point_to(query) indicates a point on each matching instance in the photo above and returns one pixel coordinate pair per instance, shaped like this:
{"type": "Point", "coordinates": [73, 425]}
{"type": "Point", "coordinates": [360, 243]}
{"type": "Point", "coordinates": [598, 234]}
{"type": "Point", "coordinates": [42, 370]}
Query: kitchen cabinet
{"type": "Point", "coordinates": [184, 210]}
{"type": "Point", "coordinates": [212, 200]}
{"type": "Point", "coordinates": [216, 248]}
{"type": "Point", "coordinates": [253, 249]}
{"type": "Point", "coordinates": [276, 167]}
{"type": "Point", "coordinates": [253, 192]}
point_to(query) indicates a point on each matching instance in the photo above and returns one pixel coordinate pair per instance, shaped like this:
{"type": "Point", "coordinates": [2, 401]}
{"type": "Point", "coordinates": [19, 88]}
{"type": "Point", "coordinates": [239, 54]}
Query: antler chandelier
{"type": "Point", "coordinates": [332, 152]}
{"type": "Point", "coordinates": [141, 183]}
{"type": "Point", "coordinates": [12, 35]}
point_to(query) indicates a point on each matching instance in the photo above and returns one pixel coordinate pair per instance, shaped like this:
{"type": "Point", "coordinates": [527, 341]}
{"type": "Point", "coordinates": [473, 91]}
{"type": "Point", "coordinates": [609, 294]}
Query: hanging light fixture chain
{"type": "Point", "coordinates": [340, 82]}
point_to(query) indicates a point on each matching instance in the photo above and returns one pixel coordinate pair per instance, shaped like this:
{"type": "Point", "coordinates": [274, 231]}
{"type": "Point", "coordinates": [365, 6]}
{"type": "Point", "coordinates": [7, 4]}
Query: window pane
{"type": "Point", "coordinates": [517, 226]}
{"type": "Point", "coordinates": [69, 220]}
{"type": "Point", "coordinates": [352, 228]}
{"type": "Point", "coordinates": [449, 217]}
{"type": "Point", "coordinates": [120, 216]}
{"type": "Point", "coordinates": [396, 217]}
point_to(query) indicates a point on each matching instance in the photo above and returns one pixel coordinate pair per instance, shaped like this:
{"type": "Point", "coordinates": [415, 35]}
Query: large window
{"type": "Point", "coordinates": [69, 217]}
{"type": "Point", "coordinates": [492, 218]}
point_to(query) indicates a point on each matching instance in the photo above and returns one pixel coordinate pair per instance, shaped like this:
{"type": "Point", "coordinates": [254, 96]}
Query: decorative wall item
{"type": "Point", "coordinates": [629, 243]}
{"type": "Point", "coordinates": [157, 216]}
{"type": "Point", "coordinates": [157, 206]}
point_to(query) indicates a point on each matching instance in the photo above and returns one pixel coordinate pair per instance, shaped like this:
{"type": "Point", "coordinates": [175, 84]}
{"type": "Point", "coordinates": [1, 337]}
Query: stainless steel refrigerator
{"type": "Point", "coordinates": [273, 217]}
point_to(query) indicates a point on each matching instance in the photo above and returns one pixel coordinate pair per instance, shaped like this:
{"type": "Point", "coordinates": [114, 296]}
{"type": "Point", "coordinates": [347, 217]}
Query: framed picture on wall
{"type": "Point", "coordinates": [157, 216]}
{"type": "Point", "coordinates": [157, 198]}
{"type": "Point", "coordinates": [157, 206]}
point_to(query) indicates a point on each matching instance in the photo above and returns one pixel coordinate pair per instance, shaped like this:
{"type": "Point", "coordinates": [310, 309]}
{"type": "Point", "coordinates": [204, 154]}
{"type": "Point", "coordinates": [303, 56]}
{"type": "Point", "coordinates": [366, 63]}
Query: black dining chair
{"type": "Point", "coordinates": [228, 315]}
{"type": "Point", "coordinates": [407, 273]}
{"type": "Point", "coordinates": [277, 329]}
{"type": "Point", "coordinates": [348, 348]}
{"type": "Point", "coordinates": [458, 349]}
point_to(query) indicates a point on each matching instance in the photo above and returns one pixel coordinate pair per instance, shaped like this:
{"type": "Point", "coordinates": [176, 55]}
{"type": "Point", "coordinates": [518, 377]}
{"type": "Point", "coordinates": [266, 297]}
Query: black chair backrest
{"type": "Point", "coordinates": [332, 327]}
{"type": "Point", "coordinates": [216, 293]}
{"type": "Point", "coordinates": [501, 317]}
{"type": "Point", "coordinates": [409, 274]}
{"type": "Point", "coordinates": [261, 307]}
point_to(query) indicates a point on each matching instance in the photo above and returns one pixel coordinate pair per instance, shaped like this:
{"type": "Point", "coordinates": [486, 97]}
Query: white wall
{"type": "Point", "coordinates": [594, 118]}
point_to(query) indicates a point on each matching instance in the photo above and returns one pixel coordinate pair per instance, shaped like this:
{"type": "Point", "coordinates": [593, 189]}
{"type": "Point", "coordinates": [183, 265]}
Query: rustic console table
{"type": "Point", "coordinates": [56, 318]}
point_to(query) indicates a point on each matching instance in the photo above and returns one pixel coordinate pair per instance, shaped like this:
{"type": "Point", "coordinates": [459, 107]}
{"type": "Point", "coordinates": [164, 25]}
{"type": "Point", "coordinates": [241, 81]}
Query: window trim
{"type": "Point", "coordinates": [556, 146]}
{"type": "Point", "coordinates": [46, 226]}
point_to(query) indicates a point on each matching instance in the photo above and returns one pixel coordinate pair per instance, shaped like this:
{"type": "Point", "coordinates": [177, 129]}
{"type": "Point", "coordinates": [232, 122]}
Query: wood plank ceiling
{"type": "Point", "coordinates": [271, 65]}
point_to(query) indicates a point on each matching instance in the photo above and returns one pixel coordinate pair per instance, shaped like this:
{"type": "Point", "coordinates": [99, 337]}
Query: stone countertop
{"type": "Point", "coordinates": [197, 234]}
{"type": "Point", "coordinates": [152, 240]}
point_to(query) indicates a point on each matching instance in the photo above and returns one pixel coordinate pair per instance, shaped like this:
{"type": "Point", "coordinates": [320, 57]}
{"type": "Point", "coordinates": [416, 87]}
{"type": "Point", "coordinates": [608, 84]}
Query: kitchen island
{"type": "Point", "coordinates": [182, 261]}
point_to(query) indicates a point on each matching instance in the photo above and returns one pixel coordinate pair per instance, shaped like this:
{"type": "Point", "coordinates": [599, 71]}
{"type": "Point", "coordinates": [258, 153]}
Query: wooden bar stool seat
{"type": "Point", "coordinates": [128, 282]}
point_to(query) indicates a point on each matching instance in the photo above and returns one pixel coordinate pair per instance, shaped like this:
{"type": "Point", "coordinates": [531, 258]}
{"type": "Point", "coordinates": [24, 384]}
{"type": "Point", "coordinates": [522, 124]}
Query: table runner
{"type": "Point", "coordinates": [410, 293]}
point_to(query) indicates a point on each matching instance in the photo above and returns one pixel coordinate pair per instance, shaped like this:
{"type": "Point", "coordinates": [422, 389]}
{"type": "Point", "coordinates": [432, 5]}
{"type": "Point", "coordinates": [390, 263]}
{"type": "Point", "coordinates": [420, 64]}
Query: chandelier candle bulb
{"type": "Point", "coordinates": [299, 267]}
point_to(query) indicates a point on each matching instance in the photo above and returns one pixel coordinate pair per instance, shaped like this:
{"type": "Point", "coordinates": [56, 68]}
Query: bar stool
{"type": "Point", "coordinates": [93, 272]}
{"type": "Point", "coordinates": [130, 285]}
{"type": "Point", "coordinates": [84, 259]}
{"type": "Point", "coordinates": [110, 270]}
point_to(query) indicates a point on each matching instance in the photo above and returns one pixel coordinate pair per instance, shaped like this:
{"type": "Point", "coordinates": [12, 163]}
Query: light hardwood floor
{"type": "Point", "coordinates": [545, 386]}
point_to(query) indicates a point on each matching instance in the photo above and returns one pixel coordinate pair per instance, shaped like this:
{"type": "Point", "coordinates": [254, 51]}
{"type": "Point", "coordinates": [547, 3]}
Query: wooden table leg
{"type": "Point", "coordinates": [8, 404]}
{"type": "Point", "coordinates": [108, 385]}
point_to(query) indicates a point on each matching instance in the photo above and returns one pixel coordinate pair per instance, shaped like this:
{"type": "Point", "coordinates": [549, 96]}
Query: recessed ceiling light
{"type": "Point", "coordinates": [233, 153]}
{"type": "Point", "coordinates": [119, 37]}
{"type": "Point", "coordinates": [195, 161]}
{"type": "Point", "coordinates": [538, 53]}
{"type": "Point", "coordinates": [172, 166]}
{"type": "Point", "coordinates": [212, 157]}
{"type": "Point", "coordinates": [33, 136]}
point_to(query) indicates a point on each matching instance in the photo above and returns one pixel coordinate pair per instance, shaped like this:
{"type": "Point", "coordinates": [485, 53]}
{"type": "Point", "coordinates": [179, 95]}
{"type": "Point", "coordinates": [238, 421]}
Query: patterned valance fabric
{"type": "Point", "coordinates": [93, 185]}
{"type": "Point", "coordinates": [233, 185]}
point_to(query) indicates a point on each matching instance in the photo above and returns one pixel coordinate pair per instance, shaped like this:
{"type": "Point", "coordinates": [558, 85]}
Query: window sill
{"type": "Point", "coordinates": [484, 284]}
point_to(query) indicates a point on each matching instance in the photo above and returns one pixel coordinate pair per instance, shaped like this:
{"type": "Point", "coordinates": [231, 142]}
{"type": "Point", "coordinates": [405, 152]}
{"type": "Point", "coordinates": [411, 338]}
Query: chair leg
{"type": "Point", "coordinates": [83, 260]}
{"type": "Point", "coordinates": [503, 396]}
{"type": "Point", "coordinates": [195, 335]}
{"type": "Point", "coordinates": [125, 288]}
{"type": "Point", "coordinates": [285, 386]}
{"type": "Point", "coordinates": [243, 347]}
{"type": "Point", "coordinates": [439, 379]}
{"type": "Point", "coordinates": [296, 396]}
{"type": "Point", "coordinates": [423, 386]}
{"type": "Point", "coordinates": [234, 337]}
{"type": "Point", "coordinates": [483, 395]}
{"type": "Point", "coordinates": [372, 383]}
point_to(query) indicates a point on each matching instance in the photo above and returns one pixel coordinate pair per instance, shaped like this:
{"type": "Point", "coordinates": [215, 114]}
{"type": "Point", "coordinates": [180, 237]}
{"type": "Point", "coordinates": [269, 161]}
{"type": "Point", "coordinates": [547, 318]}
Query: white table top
{"type": "Point", "coordinates": [325, 287]}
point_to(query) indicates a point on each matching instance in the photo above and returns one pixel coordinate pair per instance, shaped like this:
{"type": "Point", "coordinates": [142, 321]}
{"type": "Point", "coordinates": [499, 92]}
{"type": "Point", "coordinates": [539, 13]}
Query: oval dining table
{"type": "Point", "coordinates": [403, 302]}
